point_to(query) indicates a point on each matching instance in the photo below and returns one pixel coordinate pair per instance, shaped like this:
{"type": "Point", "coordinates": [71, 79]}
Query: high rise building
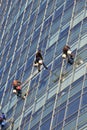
{"type": "Point", "coordinates": [57, 97]}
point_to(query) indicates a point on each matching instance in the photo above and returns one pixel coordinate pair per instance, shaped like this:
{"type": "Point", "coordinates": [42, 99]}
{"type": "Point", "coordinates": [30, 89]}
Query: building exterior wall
{"type": "Point", "coordinates": [57, 96]}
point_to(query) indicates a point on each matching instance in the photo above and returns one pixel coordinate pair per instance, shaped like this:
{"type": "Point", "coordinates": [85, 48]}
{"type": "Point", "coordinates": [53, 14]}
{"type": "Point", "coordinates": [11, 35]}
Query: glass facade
{"type": "Point", "coordinates": [54, 102]}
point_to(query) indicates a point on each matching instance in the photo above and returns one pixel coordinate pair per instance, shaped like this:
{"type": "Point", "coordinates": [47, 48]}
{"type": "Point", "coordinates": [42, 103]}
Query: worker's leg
{"type": "Point", "coordinates": [19, 93]}
{"type": "Point", "coordinates": [70, 60]}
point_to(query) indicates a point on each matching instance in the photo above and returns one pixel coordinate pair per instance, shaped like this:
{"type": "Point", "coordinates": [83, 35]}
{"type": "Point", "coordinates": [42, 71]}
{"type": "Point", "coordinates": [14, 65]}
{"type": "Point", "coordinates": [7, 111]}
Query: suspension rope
{"type": "Point", "coordinates": [46, 95]}
{"type": "Point", "coordinates": [73, 70]}
{"type": "Point", "coordinates": [31, 74]}
{"type": "Point", "coordinates": [79, 39]}
{"type": "Point", "coordinates": [60, 76]}
{"type": "Point", "coordinates": [40, 75]}
{"type": "Point", "coordinates": [13, 57]}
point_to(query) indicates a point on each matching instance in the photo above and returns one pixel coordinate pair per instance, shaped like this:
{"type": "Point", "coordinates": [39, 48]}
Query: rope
{"type": "Point", "coordinates": [84, 72]}
{"type": "Point", "coordinates": [73, 70]}
{"type": "Point", "coordinates": [31, 76]}
{"type": "Point", "coordinates": [60, 77]}
{"type": "Point", "coordinates": [14, 55]}
{"type": "Point", "coordinates": [47, 88]}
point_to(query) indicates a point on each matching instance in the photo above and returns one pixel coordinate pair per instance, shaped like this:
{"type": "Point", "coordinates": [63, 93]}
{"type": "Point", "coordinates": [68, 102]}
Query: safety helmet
{"type": "Point", "coordinates": [64, 56]}
{"type": "Point", "coordinates": [69, 52]}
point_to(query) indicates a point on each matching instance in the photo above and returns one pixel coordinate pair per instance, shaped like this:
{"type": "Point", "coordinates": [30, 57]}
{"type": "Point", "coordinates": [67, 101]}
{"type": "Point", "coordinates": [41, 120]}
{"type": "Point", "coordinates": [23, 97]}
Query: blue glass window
{"type": "Point", "coordinates": [75, 33]}
{"type": "Point", "coordinates": [34, 82]}
{"type": "Point", "coordinates": [31, 97]}
{"type": "Point", "coordinates": [55, 25]}
{"type": "Point", "coordinates": [36, 117]}
{"type": "Point", "coordinates": [26, 43]}
{"type": "Point", "coordinates": [5, 37]}
{"type": "Point", "coordinates": [46, 28]}
{"type": "Point", "coordinates": [45, 33]}
{"type": "Point", "coordinates": [26, 126]}
{"type": "Point", "coordinates": [85, 83]}
{"type": "Point", "coordinates": [43, 83]}
{"type": "Point", "coordinates": [23, 56]}
{"type": "Point", "coordinates": [36, 33]}
{"type": "Point", "coordinates": [58, 12]}
{"type": "Point", "coordinates": [59, 126]}
{"type": "Point", "coordinates": [30, 61]}
{"type": "Point", "coordinates": [23, 3]}
{"type": "Point", "coordinates": [40, 14]}
{"type": "Point", "coordinates": [27, 13]}
{"type": "Point", "coordinates": [16, 7]}
{"type": "Point", "coordinates": [3, 24]}
{"type": "Point", "coordinates": [3, 43]}
{"type": "Point", "coordinates": [4, 56]}
{"type": "Point", "coordinates": [6, 72]}
{"type": "Point", "coordinates": [15, 63]}
{"type": "Point", "coordinates": [69, 3]}
{"type": "Point", "coordinates": [35, 4]}
{"type": "Point", "coordinates": [43, 44]}
{"type": "Point", "coordinates": [50, 8]}
{"type": "Point", "coordinates": [9, 113]}
{"type": "Point", "coordinates": [75, 96]}
{"type": "Point", "coordinates": [20, 73]}
{"type": "Point", "coordinates": [30, 25]}
{"type": "Point", "coordinates": [49, 55]}
{"type": "Point", "coordinates": [74, 84]}
{"type": "Point", "coordinates": [57, 62]}
{"type": "Point", "coordinates": [1, 72]}
{"type": "Point", "coordinates": [84, 27]}
{"type": "Point", "coordinates": [49, 102]}
{"type": "Point", "coordinates": [79, 6]}
{"type": "Point", "coordinates": [59, 117]}
{"type": "Point", "coordinates": [11, 32]}
{"type": "Point", "coordinates": [67, 15]}
{"type": "Point", "coordinates": [19, 109]}
{"type": "Point", "coordinates": [71, 117]}
{"type": "Point", "coordinates": [11, 51]}
{"type": "Point", "coordinates": [84, 101]}
{"type": "Point", "coordinates": [18, 22]}
{"type": "Point", "coordinates": [83, 54]}
{"type": "Point", "coordinates": [33, 46]}
{"type": "Point", "coordinates": [45, 73]}
{"type": "Point", "coordinates": [60, 45]}
{"type": "Point", "coordinates": [46, 125]}
{"type": "Point", "coordinates": [63, 33]}
{"type": "Point", "coordinates": [56, 21]}
{"type": "Point", "coordinates": [1, 93]}
{"type": "Point", "coordinates": [26, 120]}
{"type": "Point", "coordinates": [22, 35]}
{"type": "Point", "coordinates": [29, 30]}
{"type": "Point", "coordinates": [61, 106]}
{"type": "Point", "coordinates": [27, 73]}
{"type": "Point", "coordinates": [47, 22]}
{"type": "Point", "coordinates": [7, 95]}
{"type": "Point", "coordinates": [59, 3]}
{"type": "Point", "coordinates": [74, 105]}
{"type": "Point", "coordinates": [36, 127]}
{"type": "Point", "coordinates": [46, 122]}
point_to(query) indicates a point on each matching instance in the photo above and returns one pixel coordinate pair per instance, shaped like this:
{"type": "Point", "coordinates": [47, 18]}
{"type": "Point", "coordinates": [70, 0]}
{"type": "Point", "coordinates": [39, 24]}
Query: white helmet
{"type": "Point", "coordinates": [69, 52]}
{"type": "Point", "coordinates": [40, 62]}
{"type": "Point", "coordinates": [14, 91]}
{"type": "Point", "coordinates": [64, 56]}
